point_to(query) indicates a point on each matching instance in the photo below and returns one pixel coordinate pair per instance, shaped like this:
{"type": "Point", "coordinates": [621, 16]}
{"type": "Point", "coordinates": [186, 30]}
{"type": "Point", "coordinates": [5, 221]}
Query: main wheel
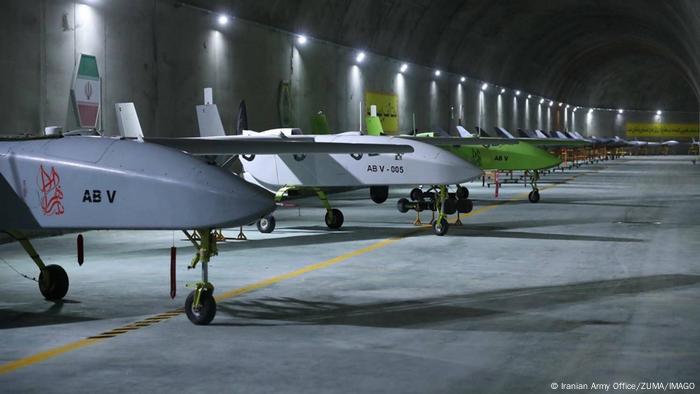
{"type": "Point", "coordinates": [53, 282]}
{"type": "Point", "coordinates": [266, 224]}
{"type": "Point", "coordinates": [534, 196]}
{"type": "Point", "coordinates": [334, 219]}
{"type": "Point", "coordinates": [462, 193]}
{"type": "Point", "coordinates": [440, 227]}
{"type": "Point", "coordinates": [416, 194]}
{"type": "Point", "coordinates": [205, 313]}
{"type": "Point", "coordinates": [379, 194]}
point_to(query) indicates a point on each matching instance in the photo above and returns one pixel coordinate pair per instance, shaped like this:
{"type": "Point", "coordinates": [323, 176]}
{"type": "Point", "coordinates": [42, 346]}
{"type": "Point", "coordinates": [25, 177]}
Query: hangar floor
{"type": "Point", "coordinates": [599, 282]}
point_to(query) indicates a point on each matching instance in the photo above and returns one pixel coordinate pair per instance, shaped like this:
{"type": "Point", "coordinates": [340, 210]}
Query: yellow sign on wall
{"type": "Point", "coordinates": [684, 131]}
{"type": "Point", "coordinates": [387, 109]}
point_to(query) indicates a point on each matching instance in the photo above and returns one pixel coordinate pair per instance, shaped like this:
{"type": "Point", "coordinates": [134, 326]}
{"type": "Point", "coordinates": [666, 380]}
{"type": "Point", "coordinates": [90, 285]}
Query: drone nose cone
{"type": "Point", "coordinates": [537, 157]}
{"type": "Point", "coordinates": [455, 170]}
{"type": "Point", "coordinates": [553, 161]}
{"type": "Point", "coordinates": [236, 202]}
{"type": "Point", "coordinates": [253, 201]}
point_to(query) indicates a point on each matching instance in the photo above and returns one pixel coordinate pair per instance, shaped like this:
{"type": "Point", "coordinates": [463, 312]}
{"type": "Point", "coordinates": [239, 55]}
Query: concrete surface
{"type": "Point", "coordinates": [599, 282]}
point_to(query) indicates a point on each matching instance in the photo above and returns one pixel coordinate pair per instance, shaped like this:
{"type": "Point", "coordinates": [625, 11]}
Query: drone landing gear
{"type": "Point", "coordinates": [200, 306]}
{"type": "Point", "coordinates": [534, 195]}
{"type": "Point", "coordinates": [53, 280]}
{"type": "Point", "coordinates": [334, 217]}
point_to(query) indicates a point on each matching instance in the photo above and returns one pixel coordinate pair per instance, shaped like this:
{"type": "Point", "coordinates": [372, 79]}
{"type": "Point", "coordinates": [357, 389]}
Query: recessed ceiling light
{"type": "Point", "coordinates": [223, 20]}
{"type": "Point", "coordinates": [360, 57]}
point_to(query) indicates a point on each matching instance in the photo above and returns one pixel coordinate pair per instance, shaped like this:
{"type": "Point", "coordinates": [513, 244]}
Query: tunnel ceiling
{"type": "Point", "coordinates": [634, 54]}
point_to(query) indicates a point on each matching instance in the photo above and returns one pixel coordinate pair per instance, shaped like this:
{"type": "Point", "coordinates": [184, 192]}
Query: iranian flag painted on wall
{"type": "Point", "coordinates": [86, 91]}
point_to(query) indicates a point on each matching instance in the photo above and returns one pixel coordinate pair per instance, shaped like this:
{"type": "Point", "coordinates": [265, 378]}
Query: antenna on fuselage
{"type": "Point", "coordinates": [362, 111]}
{"type": "Point", "coordinates": [414, 131]}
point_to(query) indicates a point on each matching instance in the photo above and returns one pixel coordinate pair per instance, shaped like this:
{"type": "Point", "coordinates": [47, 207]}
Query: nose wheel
{"type": "Point", "coordinates": [200, 308]}
{"type": "Point", "coordinates": [440, 226]}
{"type": "Point", "coordinates": [534, 195]}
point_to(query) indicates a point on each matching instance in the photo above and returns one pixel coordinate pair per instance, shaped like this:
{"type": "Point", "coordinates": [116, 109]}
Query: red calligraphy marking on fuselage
{"type": "Point", "coordinates": [52, 195]}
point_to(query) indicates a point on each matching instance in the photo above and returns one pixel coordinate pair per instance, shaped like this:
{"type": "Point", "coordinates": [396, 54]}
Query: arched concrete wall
{"type": "Point", "coordinates": [160, 55]}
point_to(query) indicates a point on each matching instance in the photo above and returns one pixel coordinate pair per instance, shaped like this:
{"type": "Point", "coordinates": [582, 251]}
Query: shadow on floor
{"type": "Point", "coordinates": [16, 319]}
{"type": "Point", "coordinates": [514, 310]}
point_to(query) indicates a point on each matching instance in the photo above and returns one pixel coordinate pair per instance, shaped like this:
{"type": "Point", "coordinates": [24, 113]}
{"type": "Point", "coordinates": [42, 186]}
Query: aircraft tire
{"type": "Point", "coordinates": [334, 219]}
{"type": "Point", "coordinates": [465, 206]}
{"type": "Point", "coordinates": [266, 224]}
{"type": "Point", "coordinates": [53, 282]}
{"type": "Point", "coordinates": [402, 205]}
{"type": "Point", "coordinates": [534, 196]}
{"type": "Point", "coordinates": [207, 309]}
{"type": "Point", "coordinates": [440, 228]}
{"type": "Point", "coordinates": [450, 206]}
{"type": "Point", "coordinates": [416, 194]}
{"type": "Point", "coordinates": [462, 193]}
{"type": "Point", "coordinates": [379, 194]}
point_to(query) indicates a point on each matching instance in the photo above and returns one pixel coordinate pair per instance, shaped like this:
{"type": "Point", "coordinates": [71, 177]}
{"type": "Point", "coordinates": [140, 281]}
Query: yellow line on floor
{"type": "Point", "coordinates": [51, 353]}
{"type": "Point", "coordinates": [57, 351]}
{"type": "Point", "coordinates": [310, 268]}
